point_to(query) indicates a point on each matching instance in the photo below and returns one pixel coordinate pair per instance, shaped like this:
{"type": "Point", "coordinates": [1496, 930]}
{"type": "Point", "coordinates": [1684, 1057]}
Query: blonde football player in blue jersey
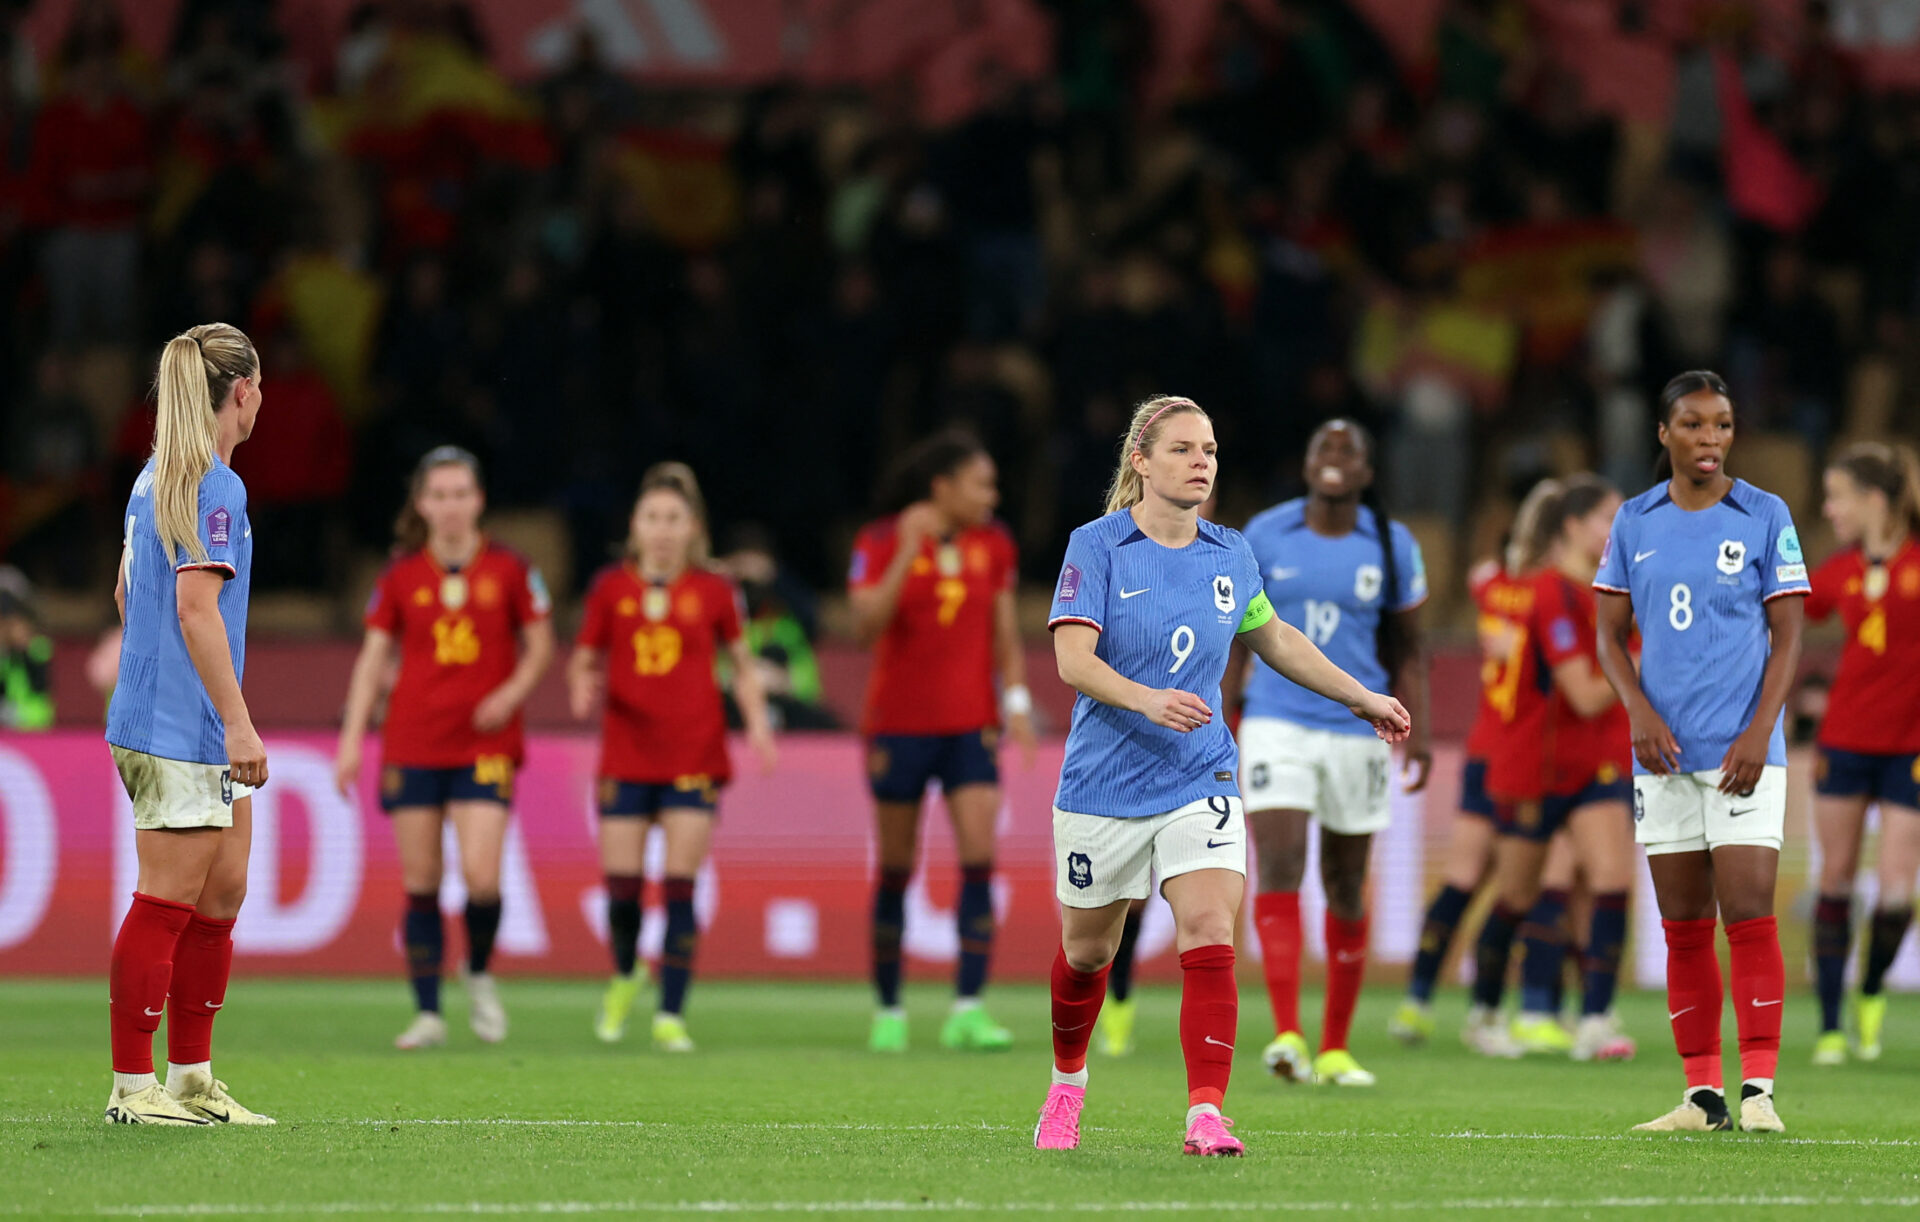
{"type": "Point", "coordinates": [181, 738]}
{"type": "Point", "coordinates": [1710, 568]}
{"type": "Point", "coordinates": [1150, 601]}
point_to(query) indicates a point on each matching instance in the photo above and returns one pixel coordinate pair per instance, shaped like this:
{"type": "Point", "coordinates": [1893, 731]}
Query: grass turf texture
{"type": "Point", "coordinates": [783, 1111]}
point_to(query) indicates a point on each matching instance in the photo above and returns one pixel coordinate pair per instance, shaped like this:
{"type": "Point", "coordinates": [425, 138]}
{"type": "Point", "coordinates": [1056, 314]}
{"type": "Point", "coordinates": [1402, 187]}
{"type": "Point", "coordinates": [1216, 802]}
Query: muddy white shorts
{"type": "Point", "coordinates": [1101, 860]}
{"type": "Point", "coordinates": [177, 794]}
{"type": "Point", "coordinates": [1685, 813]}
{"type": "Point", "coordinates": [1339, 779]}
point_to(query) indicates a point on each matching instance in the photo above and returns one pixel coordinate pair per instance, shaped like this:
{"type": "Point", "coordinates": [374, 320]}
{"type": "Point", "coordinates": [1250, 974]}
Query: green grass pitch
{"type": "Point", "coordinates": [783, 1112]}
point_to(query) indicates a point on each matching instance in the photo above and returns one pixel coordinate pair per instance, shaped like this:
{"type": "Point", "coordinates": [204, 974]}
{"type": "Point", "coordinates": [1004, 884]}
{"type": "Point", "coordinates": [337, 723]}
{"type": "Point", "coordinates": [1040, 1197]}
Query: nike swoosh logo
{"type": "Point", "coordinates": [1639, 556]}
{"type": "Point", "coordinates": [1071, 1030]}
{"type": "Point", "coordinates": [1217, 1044]}
{"type": "Point", "coordinates": [1677, 1013]}
{"type": "Point", "coordinates": [1349, 956]}
{"type": "Point", "coordinates": [1759, 1004]}
{"type": "Point", "coordinates": [210, 1114]}
{"type": "Point", "coordinates": [1735, 814]}
{"type": "Point", "coordinates": [1132, 593]}
{"type": "Point", "coordinates": [154, 1013]}
{"type": "Point", "coordinates": [1220, 844]}
{"type": "Point", "coordinates": [215, 1005]}
{"type": "Point", "coordinates": [1280, 574]}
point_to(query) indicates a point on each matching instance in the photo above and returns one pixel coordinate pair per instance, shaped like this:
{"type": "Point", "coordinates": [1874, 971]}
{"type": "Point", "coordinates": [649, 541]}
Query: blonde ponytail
{"type": "Point", "coordinates": [198, 368]}
{"type": "Point", "coordinates": [1536, 527]}
{"type": "Point", "coordinates": [1149, 421]}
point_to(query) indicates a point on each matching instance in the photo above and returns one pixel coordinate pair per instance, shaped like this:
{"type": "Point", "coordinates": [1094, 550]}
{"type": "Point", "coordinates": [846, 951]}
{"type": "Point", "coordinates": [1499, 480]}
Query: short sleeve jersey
{"type": "Point", "coordinates": [665, 719]}
{"type": "Point", "coordinates": [1699, 582]}
{"type": "Point", "coordinates": [1874, 707]}
{"type": "Point", "coordinates": [1566, 624]}
{"type": "Point", "coordinates": [934, 666]}
{"type": "Point", "coordinates": [458, 634]}
{"type": "Point", "coordinates": [1167, 618]}
{"type": "Point", "coordinates": [1516, 688]}
{"type": "Point", "coordinates": [1335, 591]}
{"type": "Point", "coordinates": [159, 705]}
{"type": "Point", "coordinates": [1486, 723]}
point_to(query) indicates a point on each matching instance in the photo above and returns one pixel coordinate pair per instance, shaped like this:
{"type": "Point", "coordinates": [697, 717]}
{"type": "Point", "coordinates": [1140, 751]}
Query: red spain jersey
{"type": "Point", "coordinates": [1566, 623]}
{"type": "Point", "coordinates": [665, 719]}
{"type": "Point", "coordinates": [933, 669]}
{"type": "Point", "coordinates": [1486, 720]}
{"type": "Point", "coordinates": [1515, 689]}
{"type": "Point", "coordinates": [1874, 707]}
{"type": "Point", "coordinates": [459, 638]}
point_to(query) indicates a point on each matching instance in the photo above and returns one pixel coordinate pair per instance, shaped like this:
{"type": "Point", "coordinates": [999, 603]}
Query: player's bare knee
{"type": "Point", "coordinates": [1281, 867]}
{"type": "Point", "coordinates": [220, 899]}
{"type": "Point", "coordinates": [1089, 953]}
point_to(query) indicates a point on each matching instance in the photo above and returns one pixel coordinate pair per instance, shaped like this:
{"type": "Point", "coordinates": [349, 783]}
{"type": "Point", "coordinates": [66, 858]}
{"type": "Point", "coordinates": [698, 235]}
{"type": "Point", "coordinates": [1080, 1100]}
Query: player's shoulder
{"type": "Point", "coordinates": [402, 564]}
{"type": "Point", "coordinates": [1277, 519]}
{"type": "Point", "coordinates": [1850, 558]}
{"type": "Point", "coordinates": [877, 532]}
{"type": "Point", "coordinates": [1757, 501]}
{"type": "Point", "coordinates": [1224, 537]}
{"type": "Point", "coordinates": [711, 580]}
{"type": "Point", "coordinates": [1106, 532]}
{"type": "Point", "coordinates": [1643, 504]}
{"type": "Point", "coordinates": [222, 483]}
{"type": "Point", "coordinates": [611, 576]}
{"type": "Point", "coordinates": [499, 555]}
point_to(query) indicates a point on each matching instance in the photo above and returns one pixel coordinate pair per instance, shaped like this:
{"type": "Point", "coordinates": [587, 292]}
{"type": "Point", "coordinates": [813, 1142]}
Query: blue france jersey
{"type": "Point", "coordinates": [159, 705]}
{"type": "Point", "coordinates": [1167, 618]}
{"type": "Point", "coordinates": [1699, 582]}
{"type": "Point", "coordinates": [1334, 591]}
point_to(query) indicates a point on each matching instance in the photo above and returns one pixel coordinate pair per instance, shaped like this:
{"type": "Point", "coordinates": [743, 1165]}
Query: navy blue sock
{"type": "Point", "coordinates": [889, 927]}
{"type": "Point", "coordinates": [623, 921]}
{"type": "Point", "coordinates": [426, 943]}
{"type": "Point", "coordinates": [1436, 935]}
{"type": "Point", "coordinates": [1832, 928]}
{"type": "Point", "coordinates": [1546, 945]}
{"type": "Point", "coordinates": [1883, 943]}
{"type": "Point", "coordinates": [976, 929]}
{"type": "Point", "coordinates": [1492, 955]}
{"type": "Point", "coordinates": [1120, 973]}
{"type": "Point", "coordinates": [676, 954]}
{"type": "Point", "coordinates": [1604, 942]}
{"type": "Point", "coordinates": [483, 926]}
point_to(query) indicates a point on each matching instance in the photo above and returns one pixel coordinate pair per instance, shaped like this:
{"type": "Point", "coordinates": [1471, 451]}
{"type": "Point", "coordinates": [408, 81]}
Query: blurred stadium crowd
{"type": "Point", "coordinates": [579, 274]}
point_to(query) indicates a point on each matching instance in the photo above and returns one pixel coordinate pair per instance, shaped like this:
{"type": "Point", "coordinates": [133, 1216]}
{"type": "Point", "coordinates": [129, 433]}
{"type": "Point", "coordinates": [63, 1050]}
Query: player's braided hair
{"type": "Point", "coordinates": [1891, 469]}
{"type": "Point", "coordinates": [1691, 382]}
{"type": "Point", "coordinates": [1389, 642]}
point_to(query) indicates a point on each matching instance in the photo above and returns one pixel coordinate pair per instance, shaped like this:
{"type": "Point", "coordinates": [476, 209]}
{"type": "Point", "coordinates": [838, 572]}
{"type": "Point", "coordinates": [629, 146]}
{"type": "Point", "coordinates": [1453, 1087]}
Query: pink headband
{"type": "Point", "coordinates": [1171, 404]}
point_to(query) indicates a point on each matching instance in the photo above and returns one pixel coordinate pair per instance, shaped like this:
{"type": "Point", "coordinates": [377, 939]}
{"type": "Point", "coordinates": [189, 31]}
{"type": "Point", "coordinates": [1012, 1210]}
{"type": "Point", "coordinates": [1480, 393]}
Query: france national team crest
{"type": "Point", "coordinates": [1080, 870]}
{"type": "Point", "coordinates": [1733, 556]}
{"type": "Point", "coordinates": [1367, 580]}
{"type": "Point", "coordinates": [1223, 594]}
{"type": "Point", "coordinates": [219, 527]}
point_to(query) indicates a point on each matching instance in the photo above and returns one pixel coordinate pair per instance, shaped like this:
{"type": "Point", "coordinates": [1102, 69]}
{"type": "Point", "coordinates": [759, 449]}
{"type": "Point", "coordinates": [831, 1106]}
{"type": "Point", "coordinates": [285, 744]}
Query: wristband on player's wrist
{"type": "Point", "coordinates": [1017, 701]}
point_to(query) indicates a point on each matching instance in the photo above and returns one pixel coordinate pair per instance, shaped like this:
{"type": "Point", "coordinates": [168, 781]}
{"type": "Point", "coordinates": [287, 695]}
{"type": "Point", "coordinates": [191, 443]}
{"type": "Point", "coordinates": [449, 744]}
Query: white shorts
{"type": "Point", "coordinates": [1685, 813]}
{"type": "Point", "coordinates": [176, 794]}
{"type": "Point", "coordinates": [1339, 779]}
{"type": "Point", "coordinates": [1102, 860]}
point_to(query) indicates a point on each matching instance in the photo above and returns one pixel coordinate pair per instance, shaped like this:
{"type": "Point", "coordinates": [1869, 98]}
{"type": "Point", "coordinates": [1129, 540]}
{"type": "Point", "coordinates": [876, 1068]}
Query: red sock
{"type": "Point", "coordinates": [201, 963]}
{"type": "Point", "coordinates": [1276, 915]}
{"type": "Point", "coordinates": [1759, 985]}
{"type": "Point", "coordinates": [1076, 1004]}
{"type": "Point", "coordinates": [1346, 966]}
{"type": "Point", "coordinates": [1693, 998]}
{"type": "Point", "coordinates": [1209, 1021]}
{"type": "Point", "coordinates": [137, 978]}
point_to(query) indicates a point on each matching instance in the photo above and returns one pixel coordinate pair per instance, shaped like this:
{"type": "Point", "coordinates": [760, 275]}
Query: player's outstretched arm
{"type": "Point", "coordinates": [1287, 649]}
{"type": "Point", "coordinates": [197, 595]}
{"type": "Point", "coordinates": [1082, 669]}
{"type": "Point", "coordinates": [362, 690]}
{"type": "Point", "coordinates": [1653, 742]}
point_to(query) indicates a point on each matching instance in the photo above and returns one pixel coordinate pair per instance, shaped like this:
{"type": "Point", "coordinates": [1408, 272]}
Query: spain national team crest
{"type": "Point", "coordinates": [1223, 593]}
{"type": "Point", "coordinates": [1732, 557]}
{"type": "Point", "coordinates": [1080, 870]}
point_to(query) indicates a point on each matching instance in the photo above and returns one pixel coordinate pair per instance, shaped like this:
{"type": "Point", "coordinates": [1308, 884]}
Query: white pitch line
{"type": "Point", "coordinates": [516, 1208]}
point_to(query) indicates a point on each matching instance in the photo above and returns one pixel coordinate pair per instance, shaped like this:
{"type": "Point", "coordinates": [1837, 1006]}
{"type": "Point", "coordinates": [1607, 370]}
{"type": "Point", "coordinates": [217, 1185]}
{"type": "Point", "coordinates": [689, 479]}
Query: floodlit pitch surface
{"type": "Point", "coordinates": [782, 1111]}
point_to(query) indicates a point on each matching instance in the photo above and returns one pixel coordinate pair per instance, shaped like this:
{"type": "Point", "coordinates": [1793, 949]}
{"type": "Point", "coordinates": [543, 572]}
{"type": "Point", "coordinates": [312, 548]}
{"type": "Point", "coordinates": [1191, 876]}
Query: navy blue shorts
{"type": "Point", "coordinates": [1473, 790]}
{"type": "Point", "coordinates": [900, 766]}
{"type": "Point", "coordinates": [1541, 821]}
{"type": "Point", "coordinates": [645, 799]}
{"type": "Point", "coordinates": [1893, 779]}
{"type": "Point", "coordinates": [488, 779]}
